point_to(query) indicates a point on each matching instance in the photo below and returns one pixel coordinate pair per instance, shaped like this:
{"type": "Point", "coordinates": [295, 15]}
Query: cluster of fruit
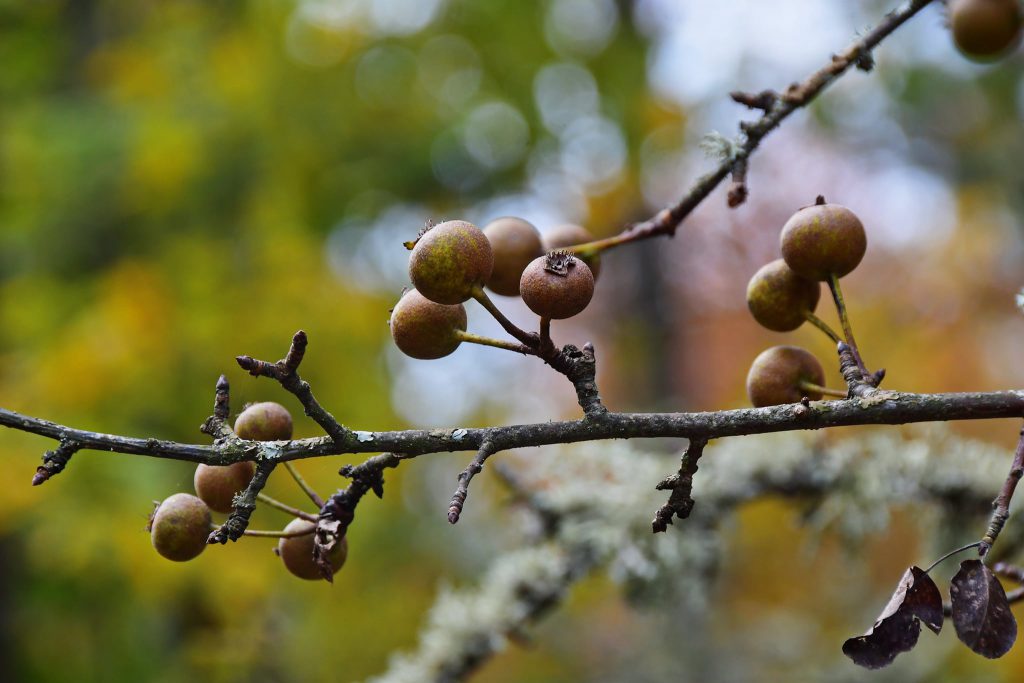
{"type": "Point", "coordinates": [181, 525]}
{"type": "Point", "coordinates": [453, 261]}
{"type": "Point", "coordinates": [986, 29]}
{"type": "Point", "coordinates": [819, 243]}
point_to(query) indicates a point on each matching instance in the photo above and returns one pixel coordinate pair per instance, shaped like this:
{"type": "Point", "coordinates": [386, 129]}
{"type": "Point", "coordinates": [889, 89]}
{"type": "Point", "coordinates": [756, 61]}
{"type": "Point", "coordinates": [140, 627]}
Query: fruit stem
{"type": "Point", "coordinates": [823, 326]}
{"type": "Point", "coordinates": [825, 391]}
{"type": "Point", "coordinates": [294, 512]}
{"type": "Point", "coordinates": [278, 534]}
{"type": "Point", "coordinates": [496, 343]}
{"type": "Point", "coordinates": [950, 554]}
{"type": "Point", "coordinates": [313, 495]}
{"type": "Point", "coordinates": [844, 319]}
{"type": "Point", "coordinates": [525, 337]}
{"type": "Point", "coordinates": [545, 335]}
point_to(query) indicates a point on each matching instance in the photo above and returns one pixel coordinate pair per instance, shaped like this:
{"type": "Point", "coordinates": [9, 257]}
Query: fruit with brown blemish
{"type": "Point", "coordinates": [297, 551]}
{"type": "Point", "coordinates": [823, 240]}
{"type": "Point", "coordinates": [784, 374]}
{"type": "Point", "coordinates": [984, 30]}
{"type": "Point", "coordinates": [424, 329]}
{"type": "Point", "coordinates": [217, 485]}
{"type": "Point", "coordinates": [180, 527]}
{"type": "Point", "coordinates": [266, 421]}
{"type": "Point", "coordinates": [450, 261]}
{"type": "Point", "coordinates": [779, 299]}
{"type": "Point", "coordinates": [557, 286]}
{"type": "Point", "coordinates": [569, 235]}
{"type": "Point", "coordinates": [514, 243]}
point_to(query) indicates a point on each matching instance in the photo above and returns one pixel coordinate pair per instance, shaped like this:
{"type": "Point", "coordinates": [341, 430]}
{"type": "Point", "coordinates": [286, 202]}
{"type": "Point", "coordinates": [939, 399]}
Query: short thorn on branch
{"type": "Point", "coordinates": [217, 424]}
{"type": "Point", "coordinates": [54, 461]}
{"type": "Point", "coordinates": [1001, 505]}
{"type": "Point", "coordinates": [680, 501]}
{"type": "Point", "coordinates": [466, 476]}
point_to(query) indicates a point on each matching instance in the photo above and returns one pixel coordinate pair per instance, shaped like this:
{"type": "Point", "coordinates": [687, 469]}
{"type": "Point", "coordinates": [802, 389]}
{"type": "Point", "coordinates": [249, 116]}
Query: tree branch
{"type": "Point", "coordinates": [777, 109]}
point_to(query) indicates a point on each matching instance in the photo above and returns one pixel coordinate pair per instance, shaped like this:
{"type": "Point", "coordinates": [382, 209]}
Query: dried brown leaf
{"type": "Point", "coordinates": [981, 612]}
{"type": "Point", "coordinates": [897, 628]}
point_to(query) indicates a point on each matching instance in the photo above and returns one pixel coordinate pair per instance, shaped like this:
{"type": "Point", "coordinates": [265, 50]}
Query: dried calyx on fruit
{"type": "Point", "coordinates": [514, 243]}
{"type": "Point", "coordinates": [267, 421]}
{"type": "Point", "coordinates": [984, 30]}
{"type": "Point", "coordinates": [784, 374]}
{"type": "Point", "coordinates": [424, 329]}
{"type": "Point", "coordinates": [450, 261]}
{"type": "Point", "coordinates": [569, 235]}
{"type": "Point", "coordinates": [822, 240]}
{"type": "Point", "coordinates": [557, 286]}
{"type": "Point", "coordinates": [779, 299]}
{"type": "Point", "coordinates": [297, 551]}
{"type": "Point", "coordinates": [216, 486]}
{"type": "Point", "coordinates": [180, 527]}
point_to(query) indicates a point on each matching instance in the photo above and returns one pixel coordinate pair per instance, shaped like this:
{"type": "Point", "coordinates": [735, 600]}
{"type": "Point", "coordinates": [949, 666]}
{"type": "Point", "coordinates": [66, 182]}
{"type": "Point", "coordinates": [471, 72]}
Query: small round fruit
{"type": "Point", "coordinates": [514, 243]}
{"type": "Point", "coordinates": [569, 235]}
{"type": "Point", "coordinates": [822, 239]}
{"type": "Point", "coordinates": [557, 286]}
{"type": "Point", "coordinates": [423, 329]}
{"type": "Point", "coordinates": [449, 261]}
{"type": "Point", "coordinates": [779, 299]}
{"type": "Point", "coordinates": [985, 29]}
{"type": "Point", "coordinates": [216, 486]}
{"type": "Point", "coordinates": [267, 421]}
{"type": "Point", "coordinates": [180, 527]}
{"type": "Point", "coordinates": [776, 374]}
{"type": "Point", "coordinates": [297, 552]}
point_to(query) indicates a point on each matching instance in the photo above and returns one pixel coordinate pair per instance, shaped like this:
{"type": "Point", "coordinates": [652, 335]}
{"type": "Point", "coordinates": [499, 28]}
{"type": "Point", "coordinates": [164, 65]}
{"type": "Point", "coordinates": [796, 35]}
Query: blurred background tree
{"type": "Point", "coordinates": [183, 182]}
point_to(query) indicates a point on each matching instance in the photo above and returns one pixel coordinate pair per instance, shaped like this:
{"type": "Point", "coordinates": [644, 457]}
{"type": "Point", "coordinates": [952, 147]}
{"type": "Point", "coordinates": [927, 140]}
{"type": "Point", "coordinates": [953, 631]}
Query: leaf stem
{"type": "Point", "coordinates": [523, 336]}
{"type": "Point", "coordinates": [817, 388]}
{"type": "Point", "coordinates": [950, 554]}
{"type": "Point", "coordinates": [496, 343]}
{"type": "Point", "coordinates": [823, 326]}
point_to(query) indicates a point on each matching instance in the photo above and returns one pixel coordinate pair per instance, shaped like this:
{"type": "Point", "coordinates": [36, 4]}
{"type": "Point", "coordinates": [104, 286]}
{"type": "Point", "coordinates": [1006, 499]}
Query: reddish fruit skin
{"type": "Point", "coordinates": [424, 329]}
{"type": "Point", "coordinates": [775, 376]}
{"type": "Point", "coordinates": [778, 298]}
{"type": "Point", "coordinates": [449, 261]}
{"type": "Point", "coordinates": [180, 527]}
{"type": "Point", "coordinates": [267, 421]}
{"type": "Point", "coordinates": [984, 30]}
{"type": "Point", "coordinates": [514, 243]}
{"type": "Point", "coordinates": [297, 552]}
{"type": "Point", "coordinates": [569, 235]}
{"type": "Point", "coordinates": [217, 486]}
{"type": "Point", "coordinates": [822, 239]}
{"type": "Point", "coordinates": [556, 296]}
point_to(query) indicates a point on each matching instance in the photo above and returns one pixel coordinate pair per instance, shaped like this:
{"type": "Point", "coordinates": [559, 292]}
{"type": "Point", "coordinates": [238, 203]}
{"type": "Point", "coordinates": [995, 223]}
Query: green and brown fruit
{"type": "Point", "coordinates": [450, 261]}
{"type": "Point", "coordinates": [424, 329]}
{"type": "Point", "coordinates": [779, 299]}
{"type": "Point", "coordinates": [180, 527]}
{"type": "Point", "coordinates": [984, 30]}
{"type": "Point", "coordinates": [514, 243]}
{"type": "Point", "coordinates": [297, 551]}
{"type": "Point", "coordinates": [823, 239]}
{"type": "Point", "coordinates": [267, 421]}
{"type": "Point", "coordinates": [217, 485]}
{"type": "Point", "coordinates": [777, 374]}
{"type": "Point", "coordinates": [569, 235]}
{"type": "Point", "coordinates": [557, 286]}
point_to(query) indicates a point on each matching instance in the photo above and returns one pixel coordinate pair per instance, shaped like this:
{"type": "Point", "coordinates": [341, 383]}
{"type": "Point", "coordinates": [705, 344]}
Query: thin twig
{"type": "Point", "coordinates": [306, 488]}
{"type": "Point", "coordinates": [680, 502]}
{"type": "Point", "coordinates": [1001, 505]}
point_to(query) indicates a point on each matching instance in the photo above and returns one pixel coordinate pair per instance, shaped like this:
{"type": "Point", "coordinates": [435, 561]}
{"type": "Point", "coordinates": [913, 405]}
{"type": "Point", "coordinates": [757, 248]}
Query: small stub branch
{"type": "Point", "coordinates": [580, 366]}
{"type": "Point", "coordinates": [680, 501]}
{"type": "Point", "coordinates": [286, 371]}
{"type": "Point", "coordinates": [244, 505]}
{"type": "Point", "coordinates": [487, 449]}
